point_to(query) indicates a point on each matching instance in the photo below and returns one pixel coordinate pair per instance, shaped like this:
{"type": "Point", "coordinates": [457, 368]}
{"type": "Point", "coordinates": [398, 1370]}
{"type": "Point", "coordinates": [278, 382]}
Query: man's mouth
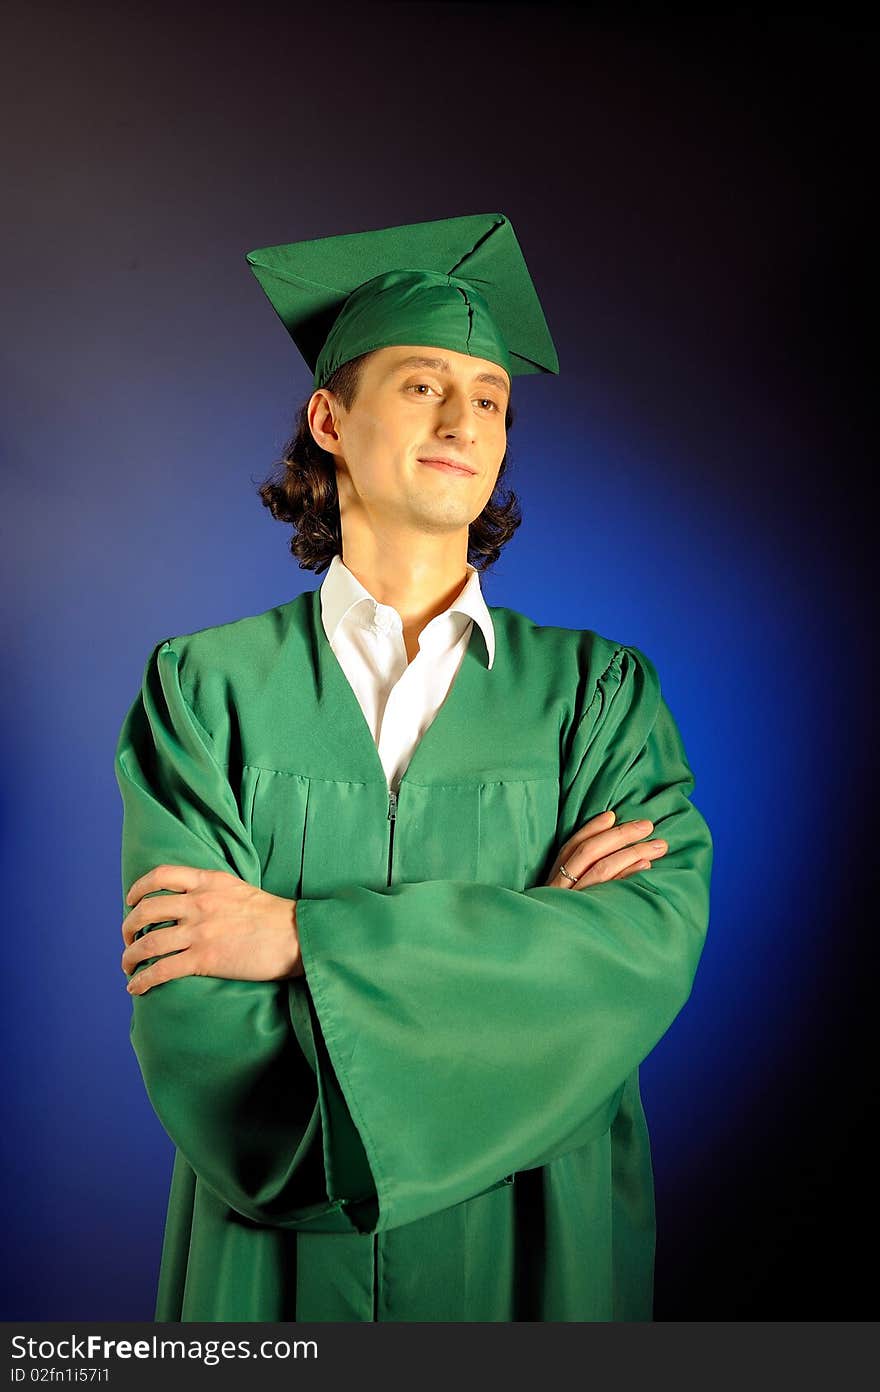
{"type": "Point", "coordinates": [451, 466]}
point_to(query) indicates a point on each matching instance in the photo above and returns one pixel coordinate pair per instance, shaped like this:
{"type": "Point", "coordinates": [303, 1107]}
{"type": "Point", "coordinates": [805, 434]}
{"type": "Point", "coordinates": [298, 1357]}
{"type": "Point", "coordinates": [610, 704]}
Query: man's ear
{"type": "Point", "coordinates": [323, 415]}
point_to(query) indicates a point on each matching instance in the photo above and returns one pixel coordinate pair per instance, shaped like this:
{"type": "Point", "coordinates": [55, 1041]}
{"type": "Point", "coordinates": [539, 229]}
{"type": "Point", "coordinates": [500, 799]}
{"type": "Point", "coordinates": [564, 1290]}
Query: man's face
{"type": "Point", "coordinates": [406, 411]}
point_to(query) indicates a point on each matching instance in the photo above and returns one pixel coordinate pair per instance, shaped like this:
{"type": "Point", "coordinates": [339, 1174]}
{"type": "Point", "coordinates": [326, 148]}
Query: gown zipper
{"type": "Point", "coordinates": [392, 818]}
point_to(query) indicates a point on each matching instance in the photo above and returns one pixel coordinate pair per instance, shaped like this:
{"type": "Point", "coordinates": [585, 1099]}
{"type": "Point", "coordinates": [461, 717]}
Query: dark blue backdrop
{"type": "Point", "coordinates": [690, 199]}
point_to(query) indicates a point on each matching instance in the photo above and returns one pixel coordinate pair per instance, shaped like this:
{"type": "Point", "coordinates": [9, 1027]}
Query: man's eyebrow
{"type": "Point", "coordinates": [441, 365]}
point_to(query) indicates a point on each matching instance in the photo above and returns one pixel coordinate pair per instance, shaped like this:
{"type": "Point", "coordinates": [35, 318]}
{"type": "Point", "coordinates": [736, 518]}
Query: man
{"type": "Point", "coordinates": [419, 942]}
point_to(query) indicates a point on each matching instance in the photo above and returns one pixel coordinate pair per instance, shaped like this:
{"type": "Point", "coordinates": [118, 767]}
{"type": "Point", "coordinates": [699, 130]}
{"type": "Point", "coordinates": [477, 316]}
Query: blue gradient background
{"type": "Point", "coordinates": [690, 196]}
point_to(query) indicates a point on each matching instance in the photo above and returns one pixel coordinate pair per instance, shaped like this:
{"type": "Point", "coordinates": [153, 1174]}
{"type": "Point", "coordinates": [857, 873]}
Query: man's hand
{"type": "Point", "coordinates": [225, 927]}
{"type": "Point", "coordinates": [601, 851]}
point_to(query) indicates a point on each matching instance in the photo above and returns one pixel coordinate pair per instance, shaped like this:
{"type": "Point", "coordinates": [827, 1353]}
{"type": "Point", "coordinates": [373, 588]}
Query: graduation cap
{"type": "Point", "coordinates": [459, 283]}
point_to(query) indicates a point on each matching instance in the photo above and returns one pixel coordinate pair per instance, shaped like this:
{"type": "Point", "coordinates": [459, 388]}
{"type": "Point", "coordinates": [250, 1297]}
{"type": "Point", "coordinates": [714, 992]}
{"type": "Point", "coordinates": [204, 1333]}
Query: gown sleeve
{"type": "Point", "coordinates": [477, 1030]}
{"type": "Point", "coordinates": [236, 1071]}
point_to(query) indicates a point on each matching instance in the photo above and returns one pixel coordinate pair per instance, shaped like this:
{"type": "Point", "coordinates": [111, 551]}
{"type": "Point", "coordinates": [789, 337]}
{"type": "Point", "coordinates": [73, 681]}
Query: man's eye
{"type": "Point", "coordinates": [415, 386]}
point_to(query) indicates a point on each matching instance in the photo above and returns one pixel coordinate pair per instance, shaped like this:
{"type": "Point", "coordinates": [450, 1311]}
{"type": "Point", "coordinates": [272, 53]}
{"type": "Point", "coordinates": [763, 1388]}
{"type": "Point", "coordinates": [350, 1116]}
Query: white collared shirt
{"type": "Point", "coordinates": [399, 699]}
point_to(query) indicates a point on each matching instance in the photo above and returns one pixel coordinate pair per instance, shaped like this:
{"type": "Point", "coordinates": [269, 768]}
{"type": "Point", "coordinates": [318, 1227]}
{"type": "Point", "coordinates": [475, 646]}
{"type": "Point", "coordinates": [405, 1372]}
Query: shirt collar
{"type": "Point", "coordinates": [343, 597]}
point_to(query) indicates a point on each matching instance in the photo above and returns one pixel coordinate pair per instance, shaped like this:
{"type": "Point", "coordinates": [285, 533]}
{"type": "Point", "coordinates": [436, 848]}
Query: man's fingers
{"type": "Point", "coordinates": [601, 822]}
{"type": "Point", "coordinates": [641, 864]}
{"type": "Point", "coordinates": [589, 871]}
{"type": "Point", "coordinates": [597, 839]}
{"type": "Point", "coordinates": [176, 877]}
{"type": "Point", "coordinates": [166, 969]}
{"type": "Point", "coordinates": [607, 840]}
{"type": "Point", "coordinates": [159, 910]}
{"type": "Point", "coordinates": [154, 944]}
{"type": "Point", "coordinates": [609, 867]}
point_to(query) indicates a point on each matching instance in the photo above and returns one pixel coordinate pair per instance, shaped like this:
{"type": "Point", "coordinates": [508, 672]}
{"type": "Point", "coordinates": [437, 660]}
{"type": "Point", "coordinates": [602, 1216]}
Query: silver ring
{"type": "Point", "coordinates": [563, 871]}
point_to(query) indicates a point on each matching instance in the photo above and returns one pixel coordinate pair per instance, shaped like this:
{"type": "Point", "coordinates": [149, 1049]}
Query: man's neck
{"type": "Point", "coordinates": [418, 587]}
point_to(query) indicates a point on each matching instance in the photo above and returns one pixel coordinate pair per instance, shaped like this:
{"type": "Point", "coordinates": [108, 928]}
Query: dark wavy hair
{"type": "Point", "coordinates": [301, 490]}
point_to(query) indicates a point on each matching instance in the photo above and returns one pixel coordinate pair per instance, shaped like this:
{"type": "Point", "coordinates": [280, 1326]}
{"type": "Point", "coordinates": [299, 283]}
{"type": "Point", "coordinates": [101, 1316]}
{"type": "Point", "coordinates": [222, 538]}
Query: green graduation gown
{"type": "Point", "coordinates": [441, 1120]}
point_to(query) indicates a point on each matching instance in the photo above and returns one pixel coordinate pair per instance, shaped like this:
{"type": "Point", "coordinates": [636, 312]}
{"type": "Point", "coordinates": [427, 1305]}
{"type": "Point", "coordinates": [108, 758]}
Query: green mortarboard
{"type": "Point", "coordinates": [459, 283]}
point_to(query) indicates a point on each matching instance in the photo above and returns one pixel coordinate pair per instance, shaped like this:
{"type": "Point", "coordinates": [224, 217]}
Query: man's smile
{"type": "Point", "coordinates": [449, 466]}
